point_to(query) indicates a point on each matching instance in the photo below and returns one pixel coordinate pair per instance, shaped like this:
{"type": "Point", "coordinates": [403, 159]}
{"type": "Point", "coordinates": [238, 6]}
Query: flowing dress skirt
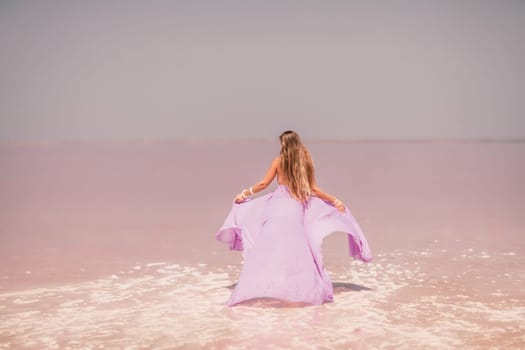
{"type": "Point", "coordinates": [281, 243]}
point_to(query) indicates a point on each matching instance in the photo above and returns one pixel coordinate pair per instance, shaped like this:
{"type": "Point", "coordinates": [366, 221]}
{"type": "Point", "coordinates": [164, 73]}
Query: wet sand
{"type": "Point", "coordinates": [111, 245]}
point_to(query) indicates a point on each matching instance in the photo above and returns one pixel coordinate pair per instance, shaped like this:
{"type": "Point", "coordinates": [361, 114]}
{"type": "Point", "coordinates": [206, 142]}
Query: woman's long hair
{"type": "Point", "coordinates": [297, 166]}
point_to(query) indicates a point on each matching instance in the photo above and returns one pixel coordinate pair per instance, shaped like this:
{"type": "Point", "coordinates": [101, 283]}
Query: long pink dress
{"type": "Point", "coordinates": [281, 243]}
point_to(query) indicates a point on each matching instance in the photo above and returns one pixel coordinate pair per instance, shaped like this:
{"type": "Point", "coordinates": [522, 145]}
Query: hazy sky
{"type": "Point", "coordinates": [242, 69]}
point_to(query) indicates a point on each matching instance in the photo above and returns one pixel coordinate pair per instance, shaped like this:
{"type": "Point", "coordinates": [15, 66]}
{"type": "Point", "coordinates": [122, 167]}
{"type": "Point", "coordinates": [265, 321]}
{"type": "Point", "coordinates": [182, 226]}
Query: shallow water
{"type": "Point", "coordinates": [112, 246]}
{"type": "Point", "coordinates": [405, 299]}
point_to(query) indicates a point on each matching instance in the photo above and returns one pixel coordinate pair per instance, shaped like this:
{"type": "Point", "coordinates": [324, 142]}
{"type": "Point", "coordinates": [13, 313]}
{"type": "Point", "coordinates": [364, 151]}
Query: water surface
{"type": "Point", "coordinates": [111, 245]}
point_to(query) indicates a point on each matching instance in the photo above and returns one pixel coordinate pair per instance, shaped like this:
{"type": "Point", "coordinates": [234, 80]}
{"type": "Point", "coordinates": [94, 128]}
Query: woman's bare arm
{"type": "Point", "coordinates": [268, 177]}
{"type": "Point", "coordinates": [316, 191]}
{"type": "Point", "coordinates": [262, 184]}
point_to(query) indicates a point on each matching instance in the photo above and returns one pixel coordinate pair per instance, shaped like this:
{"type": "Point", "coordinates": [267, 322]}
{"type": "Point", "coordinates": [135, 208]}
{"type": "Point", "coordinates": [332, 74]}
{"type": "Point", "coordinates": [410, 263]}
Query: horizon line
{"type": "Point", "coordinates": [255, 140]}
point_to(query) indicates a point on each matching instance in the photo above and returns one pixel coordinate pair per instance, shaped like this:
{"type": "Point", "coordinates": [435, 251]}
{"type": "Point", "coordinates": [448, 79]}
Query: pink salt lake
{"type": "Point", "coordinates": [111, 245]}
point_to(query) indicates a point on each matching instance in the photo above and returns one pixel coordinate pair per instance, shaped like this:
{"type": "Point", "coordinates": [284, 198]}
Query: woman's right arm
{"type": "Point", "coordinates": [316, 191]}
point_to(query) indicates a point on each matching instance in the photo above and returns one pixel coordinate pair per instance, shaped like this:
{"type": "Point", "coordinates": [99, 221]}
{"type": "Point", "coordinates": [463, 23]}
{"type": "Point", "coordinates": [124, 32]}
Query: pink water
{"type": "Point", "coordinates": [111, 245]}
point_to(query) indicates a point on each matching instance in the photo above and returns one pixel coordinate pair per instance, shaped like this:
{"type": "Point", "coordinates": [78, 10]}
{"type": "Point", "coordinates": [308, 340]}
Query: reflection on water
{"type": "Point", "coordinates": [404, 299]}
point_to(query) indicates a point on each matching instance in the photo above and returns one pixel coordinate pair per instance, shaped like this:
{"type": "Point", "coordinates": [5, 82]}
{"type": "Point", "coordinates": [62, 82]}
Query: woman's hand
{"type": "Point", "coordinates": [340, 206]}
{"type": "Point", "coordinates": [239, 198]}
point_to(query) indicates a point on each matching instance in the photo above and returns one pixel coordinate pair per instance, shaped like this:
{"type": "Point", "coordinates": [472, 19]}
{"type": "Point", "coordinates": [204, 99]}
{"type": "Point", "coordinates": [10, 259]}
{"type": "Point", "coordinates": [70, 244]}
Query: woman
{"type": "Point", "coordinates": [280, 233]}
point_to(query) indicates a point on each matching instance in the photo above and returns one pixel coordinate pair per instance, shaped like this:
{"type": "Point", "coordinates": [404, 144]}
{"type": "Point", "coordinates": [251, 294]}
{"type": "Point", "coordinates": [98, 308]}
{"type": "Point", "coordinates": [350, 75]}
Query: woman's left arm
{"type": "Point", "coordinates": [262, 184]}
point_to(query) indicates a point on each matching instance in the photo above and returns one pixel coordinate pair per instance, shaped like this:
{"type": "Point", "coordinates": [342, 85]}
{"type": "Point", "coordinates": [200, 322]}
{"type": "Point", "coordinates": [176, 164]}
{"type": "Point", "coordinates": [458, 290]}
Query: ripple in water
{"type": "Point", "coordinates": [402, 300]}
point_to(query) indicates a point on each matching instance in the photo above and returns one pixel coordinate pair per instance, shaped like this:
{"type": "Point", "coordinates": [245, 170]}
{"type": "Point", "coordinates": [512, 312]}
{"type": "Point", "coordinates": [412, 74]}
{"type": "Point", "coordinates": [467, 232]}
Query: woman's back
{"type": "Point", "coordinates": [281, 179]}
{"type": "Point", "coordinates": [281, 237]}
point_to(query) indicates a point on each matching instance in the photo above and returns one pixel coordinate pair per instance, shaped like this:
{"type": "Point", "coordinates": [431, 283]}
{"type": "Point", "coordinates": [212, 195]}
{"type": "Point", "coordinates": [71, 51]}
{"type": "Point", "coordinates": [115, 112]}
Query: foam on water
{"type": "Point", "coordinates": [405, 299]}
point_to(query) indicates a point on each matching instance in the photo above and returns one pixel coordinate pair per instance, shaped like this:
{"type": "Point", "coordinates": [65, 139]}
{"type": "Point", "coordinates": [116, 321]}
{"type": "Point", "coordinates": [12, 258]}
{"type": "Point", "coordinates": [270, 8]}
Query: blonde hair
{"type": "Point", "coordinates": [297, 166]}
